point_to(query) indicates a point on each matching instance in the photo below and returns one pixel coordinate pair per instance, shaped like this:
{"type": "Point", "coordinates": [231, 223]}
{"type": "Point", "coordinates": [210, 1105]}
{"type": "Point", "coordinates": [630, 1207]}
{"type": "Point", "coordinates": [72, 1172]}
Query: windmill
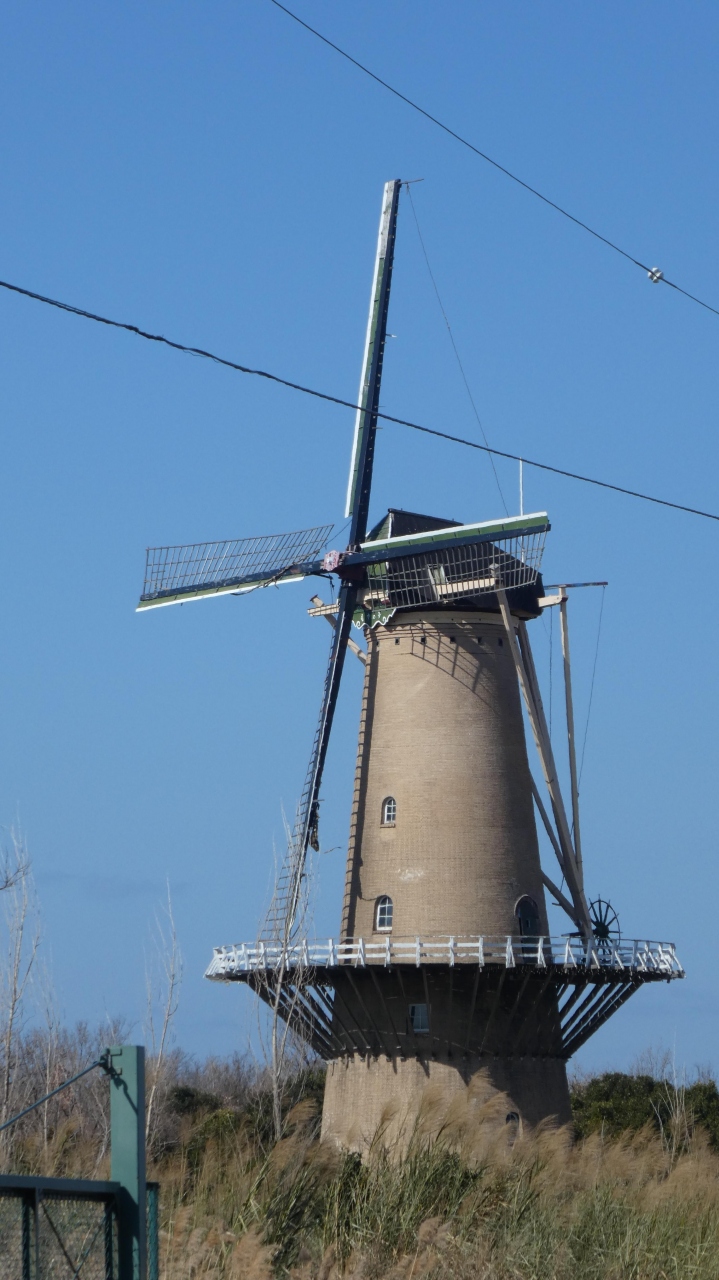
{"type": "Point", "coordinates": [444, 965]}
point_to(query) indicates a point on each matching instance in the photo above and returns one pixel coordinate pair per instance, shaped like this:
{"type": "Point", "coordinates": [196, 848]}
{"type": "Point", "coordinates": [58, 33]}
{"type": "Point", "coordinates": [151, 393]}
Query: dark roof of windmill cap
{"type": "Point", "coordinates": [398, 524]}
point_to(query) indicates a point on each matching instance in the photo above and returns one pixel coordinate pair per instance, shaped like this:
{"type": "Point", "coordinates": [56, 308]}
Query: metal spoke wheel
{"type": "Point", "coordinates": [605, 923]}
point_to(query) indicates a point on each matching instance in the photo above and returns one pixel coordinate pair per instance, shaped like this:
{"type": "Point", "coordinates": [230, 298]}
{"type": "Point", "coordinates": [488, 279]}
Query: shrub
{"type": "Point", "coordinates": [615, 1103]}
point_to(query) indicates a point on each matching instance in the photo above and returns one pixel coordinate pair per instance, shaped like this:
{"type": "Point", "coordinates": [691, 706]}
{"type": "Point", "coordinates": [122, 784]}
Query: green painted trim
{"type": "Point", "coordinates": [375, 617]}
{"type": "Point", "coordinates": [536, 523]}
{"type": "Point", "coordinates": [127, 1156]}
{"type": "Point", "coordinates": [369, 384]}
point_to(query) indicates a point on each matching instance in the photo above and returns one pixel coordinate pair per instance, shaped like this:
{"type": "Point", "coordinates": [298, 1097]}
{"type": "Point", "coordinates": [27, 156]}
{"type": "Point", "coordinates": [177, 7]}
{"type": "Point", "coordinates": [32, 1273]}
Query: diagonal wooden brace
{"type": "Point", "coordinates": [571, 736]}
{"type": "Point", "coordinates": [527, 676]}
{"type": "Point", "coordinates": [328, 611]}
{"type": "Point", "coordinates": [544, 746]}
{"type": "Point", "coordinates": [562, 901]}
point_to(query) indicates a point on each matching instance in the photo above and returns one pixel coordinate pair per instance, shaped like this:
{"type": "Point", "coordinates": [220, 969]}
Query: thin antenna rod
{"type": "Point", "coordinates": [521, 487]}
{"type": "Point", "coordinates": [360, 477]}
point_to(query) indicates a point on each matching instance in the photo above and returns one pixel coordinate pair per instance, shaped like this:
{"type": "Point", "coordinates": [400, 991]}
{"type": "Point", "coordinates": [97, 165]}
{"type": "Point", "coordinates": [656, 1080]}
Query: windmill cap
{"type": "Point", "coordinates": [398, 524]}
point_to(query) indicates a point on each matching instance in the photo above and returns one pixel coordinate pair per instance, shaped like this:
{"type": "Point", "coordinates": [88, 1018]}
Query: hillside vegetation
{"type": "Point", "coordinates": [631, 1191]}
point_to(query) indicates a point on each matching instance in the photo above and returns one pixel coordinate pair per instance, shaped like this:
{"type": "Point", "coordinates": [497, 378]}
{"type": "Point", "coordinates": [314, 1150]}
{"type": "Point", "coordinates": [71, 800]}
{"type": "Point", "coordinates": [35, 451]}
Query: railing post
{"type": "Point", "coordinates": [109, 1231]}
{"type": "Point", "coordinates": [153, 1231]}
{"type": "Point", "coordinates": [29, 1236]}
{"type": "Point", "coordinates": [127, 1157]}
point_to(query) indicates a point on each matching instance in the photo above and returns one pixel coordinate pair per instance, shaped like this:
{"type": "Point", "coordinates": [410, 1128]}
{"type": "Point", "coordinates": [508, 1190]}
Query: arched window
{"type": "Point", "coordinates": [527, 914]}
{"type": "Point", "coordinates": [384, 913]}
{"type": "Point", "coordinates": [514, 1126]}
{"type": "Point", "coordinates": [389, 811]}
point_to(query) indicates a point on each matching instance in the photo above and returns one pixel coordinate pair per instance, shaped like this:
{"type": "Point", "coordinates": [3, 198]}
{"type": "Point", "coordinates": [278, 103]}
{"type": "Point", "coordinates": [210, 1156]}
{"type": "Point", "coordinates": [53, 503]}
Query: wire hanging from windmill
{"type": "Point", "coordinates": [591, 686]}
{"type": "Point", "coordinates": [454, 345]}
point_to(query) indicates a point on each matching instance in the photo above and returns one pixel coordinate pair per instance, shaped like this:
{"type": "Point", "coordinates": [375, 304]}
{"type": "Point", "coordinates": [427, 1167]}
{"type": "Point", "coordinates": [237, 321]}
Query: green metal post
{"type": "Point", "coordinates": [127, 1161]}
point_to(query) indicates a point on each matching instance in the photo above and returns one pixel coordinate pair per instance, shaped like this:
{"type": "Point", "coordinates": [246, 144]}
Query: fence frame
{"type": "Point", "coordinates": [130, 1201]}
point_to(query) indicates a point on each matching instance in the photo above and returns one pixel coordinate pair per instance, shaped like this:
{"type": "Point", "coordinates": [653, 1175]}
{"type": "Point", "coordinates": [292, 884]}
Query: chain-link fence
{"type": "Point", "coordinates": [65, 1229]}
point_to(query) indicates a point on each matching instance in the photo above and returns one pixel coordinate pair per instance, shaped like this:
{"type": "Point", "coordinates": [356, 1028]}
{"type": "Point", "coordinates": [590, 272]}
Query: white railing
{"type": "Point", "coordinates": [638, 957]}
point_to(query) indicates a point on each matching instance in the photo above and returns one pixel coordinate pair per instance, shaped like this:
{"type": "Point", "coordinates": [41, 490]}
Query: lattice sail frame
{"type": "Point", "coordinates": [469, 565]}
{"type": "Point", "coordinates": [206, 569]}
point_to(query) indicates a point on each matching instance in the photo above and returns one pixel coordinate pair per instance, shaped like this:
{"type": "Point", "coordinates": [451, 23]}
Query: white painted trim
{"type": "Point", "coordinates": [217, 591]}
{"type": "Point", "coordinates": [510, 951]}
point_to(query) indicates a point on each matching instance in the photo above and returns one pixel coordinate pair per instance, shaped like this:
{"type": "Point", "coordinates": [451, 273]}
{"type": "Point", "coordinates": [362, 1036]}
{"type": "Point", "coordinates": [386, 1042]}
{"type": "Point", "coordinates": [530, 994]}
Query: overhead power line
{"type": "Point", "coordinates": [655, 275]}
{"type": "Point", "coordinates": [350, 404]}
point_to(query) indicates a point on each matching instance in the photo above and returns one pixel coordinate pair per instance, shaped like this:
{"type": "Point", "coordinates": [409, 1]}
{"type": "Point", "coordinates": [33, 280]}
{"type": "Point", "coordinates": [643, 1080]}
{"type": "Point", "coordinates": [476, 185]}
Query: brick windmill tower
{"type": "Point", "coordinates": [444, 965]}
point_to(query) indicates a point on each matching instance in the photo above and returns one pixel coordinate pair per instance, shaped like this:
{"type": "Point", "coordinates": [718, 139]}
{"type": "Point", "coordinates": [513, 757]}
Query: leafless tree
{"type": "Point", "coordinates": [14, 864]}
{"type": "Point", "coordinates": [163, 985]}
{"type": "Point", "coordinates": [22, 939]}
{"type": "Point", "coordinates": [281, 985]}
{"type": "Point", "coordinates": [52, 1031]}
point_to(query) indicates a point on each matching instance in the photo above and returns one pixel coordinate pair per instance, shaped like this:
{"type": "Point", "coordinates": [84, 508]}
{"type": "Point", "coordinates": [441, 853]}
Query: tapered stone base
{"type": "Point", "coordinates": [385, 1099]}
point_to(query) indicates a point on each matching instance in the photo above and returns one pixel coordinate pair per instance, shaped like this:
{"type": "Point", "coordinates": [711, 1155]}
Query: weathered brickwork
{"type": "Point", "coordinates": [441, 732]}
{"type": "Point", "coordinates": [364, 1097]}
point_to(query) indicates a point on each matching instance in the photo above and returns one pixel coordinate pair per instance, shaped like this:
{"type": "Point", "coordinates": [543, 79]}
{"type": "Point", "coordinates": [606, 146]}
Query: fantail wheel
{"type": "Point", "coordinates": [605, 923]}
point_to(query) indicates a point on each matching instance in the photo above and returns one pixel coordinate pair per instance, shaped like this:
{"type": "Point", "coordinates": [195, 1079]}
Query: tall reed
{"type": "Point", "coordinates": [462, 1199]}
{"type": "Point", "coordinates": [461, 1196]}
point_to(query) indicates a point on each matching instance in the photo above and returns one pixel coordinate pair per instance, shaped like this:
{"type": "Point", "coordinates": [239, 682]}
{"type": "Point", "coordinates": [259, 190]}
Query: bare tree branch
{"type": "Point", "coordinates": [282, 996]}
{"type": "Point", "coordinates": [170, 960]}
{"type": "Point", "coordinates": [20, 955]}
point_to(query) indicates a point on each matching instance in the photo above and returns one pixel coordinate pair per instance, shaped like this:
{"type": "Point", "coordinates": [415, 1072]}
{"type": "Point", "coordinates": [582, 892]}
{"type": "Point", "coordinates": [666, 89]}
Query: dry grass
{"type": "Point", "coordinates": [463, 1201]}
{"type": "Point", "coordinates": [462, 1197]}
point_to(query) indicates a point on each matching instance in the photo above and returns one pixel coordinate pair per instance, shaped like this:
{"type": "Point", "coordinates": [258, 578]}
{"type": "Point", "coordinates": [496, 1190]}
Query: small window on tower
{"type": "Point", "coordinates": [389, 811]}
{"type": "Point", "coordinates": [419, 1019]}
{"type": "Point", "coordinates": [514, 1124]}
{"type": "Point", "coordinates": [385, 912]}
{"type": "Point", "coordinates": [527, 915]}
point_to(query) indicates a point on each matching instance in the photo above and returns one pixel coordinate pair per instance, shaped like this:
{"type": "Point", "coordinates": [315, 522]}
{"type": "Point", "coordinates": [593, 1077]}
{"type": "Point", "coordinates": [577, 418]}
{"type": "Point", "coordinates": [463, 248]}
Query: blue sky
{"type": "Point", "coordinates": [211, 172]}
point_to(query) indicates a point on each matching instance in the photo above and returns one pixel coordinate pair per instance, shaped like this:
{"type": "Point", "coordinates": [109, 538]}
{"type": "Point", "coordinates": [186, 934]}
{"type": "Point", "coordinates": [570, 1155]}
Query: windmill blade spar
{"type": "Point", "coordinates": [282, 917]}
{"type": "Point", "coordinates": [281, 921]}
{"type": "Point", "coordinates": [174, 575]}
{"type": "Point", "coordinates": [360, 477]}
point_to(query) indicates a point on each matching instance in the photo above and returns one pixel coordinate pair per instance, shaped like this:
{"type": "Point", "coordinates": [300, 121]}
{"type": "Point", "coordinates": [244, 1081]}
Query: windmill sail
{"type": "Point", "coordinates": [360, 477]}
{"type": "Point", "coordinates": [281, 923]}
{"type": "Point", "coordinates": [461, 562]}
{"type": "Point", "coordinates": [282, 916]}
{"type": "Point", "coordinates": [174, 575]}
